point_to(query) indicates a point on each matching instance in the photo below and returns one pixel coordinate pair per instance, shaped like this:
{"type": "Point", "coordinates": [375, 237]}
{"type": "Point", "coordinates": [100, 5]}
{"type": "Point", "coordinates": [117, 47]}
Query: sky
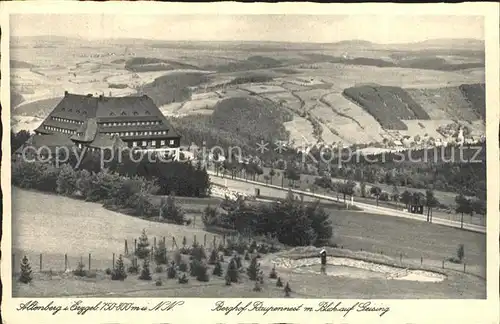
{"type": "Point", "coordinates": [285, 28]}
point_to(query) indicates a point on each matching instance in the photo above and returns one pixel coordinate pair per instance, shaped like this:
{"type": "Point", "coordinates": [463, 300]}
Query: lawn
{"type": "Point", "coordinates": [58, 230]}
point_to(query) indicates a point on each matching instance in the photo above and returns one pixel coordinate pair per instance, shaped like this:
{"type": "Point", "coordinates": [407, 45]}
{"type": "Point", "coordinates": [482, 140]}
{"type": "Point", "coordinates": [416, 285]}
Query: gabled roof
{"type": "Point", "coordinates": [86, 132]}
{"type": "Point", "coordinates": [102, 141]}
{"type": "Point", "coordinates": [105, 109]}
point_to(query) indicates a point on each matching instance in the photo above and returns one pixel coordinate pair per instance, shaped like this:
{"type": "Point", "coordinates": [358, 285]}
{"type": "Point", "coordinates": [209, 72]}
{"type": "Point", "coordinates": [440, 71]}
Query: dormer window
{"type": "Point", "coordinates": [111, 113]}
{"type": "Point", "coordinates": [78, 111]}
{"type": "Point", "coordinates": [63, 109]}
{"type": "Point", "coordinates": [148, 113]}
{"type": "Point", "coordinates": [124, 113]}
{"type": "Point", "coordinates": [136, 113]}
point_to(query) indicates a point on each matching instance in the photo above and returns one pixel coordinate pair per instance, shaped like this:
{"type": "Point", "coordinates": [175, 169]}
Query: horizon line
{"type": "Point", "coordinates": [252, 41]}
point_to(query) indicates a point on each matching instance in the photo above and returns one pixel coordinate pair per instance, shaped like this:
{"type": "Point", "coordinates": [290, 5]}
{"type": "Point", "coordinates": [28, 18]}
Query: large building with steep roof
{"type": "Point", "coordinates": [100, 122]}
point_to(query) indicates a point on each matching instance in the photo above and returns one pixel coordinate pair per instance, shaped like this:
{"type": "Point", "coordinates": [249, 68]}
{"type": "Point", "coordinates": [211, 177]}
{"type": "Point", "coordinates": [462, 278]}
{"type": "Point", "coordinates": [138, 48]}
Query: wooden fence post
{"type": "Point", "coordinates": [421, 260]}
{"type": "Point", "coordinates": [40, 262]}
{"type": "Point", "coordinates": [126, 248]}
{"type": "Point", "coordinates": [194, 242]}
{"type": "Point", "coordinates": [114, 258]}
{"type": "Point", "coordinates": [224, 239]}
{"type": "Point", "coordinates": [464, 266]}
{"type": "Point", "coordinates": [442, 265]}
{"type": "Point", "coordinates": [90, 258]}
{"type": "Point", "coordinates": [135, 245]}
{"type": "Point", "coordinates": [65, 262]}
{"type": "Point", "coordinates": [205, 240]}
{"type": "Point", "coordinates": [401, 257]}
{"type": "Point", "coordinates": [215, 241]}
{"type": "Point", "coordinates": [154, 242]}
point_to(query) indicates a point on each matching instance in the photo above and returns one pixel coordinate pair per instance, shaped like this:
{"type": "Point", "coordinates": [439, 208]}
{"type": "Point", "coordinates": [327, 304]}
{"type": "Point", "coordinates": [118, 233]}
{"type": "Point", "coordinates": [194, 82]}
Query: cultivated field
{"type": "Point", "coordinates": [77, 228]}
{"type": "Point", "coordinates": [297, 77]}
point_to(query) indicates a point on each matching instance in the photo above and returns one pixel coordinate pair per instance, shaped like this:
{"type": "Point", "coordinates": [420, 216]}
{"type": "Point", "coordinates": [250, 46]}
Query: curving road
{"type": "Point", "coordinates": [279, 192]}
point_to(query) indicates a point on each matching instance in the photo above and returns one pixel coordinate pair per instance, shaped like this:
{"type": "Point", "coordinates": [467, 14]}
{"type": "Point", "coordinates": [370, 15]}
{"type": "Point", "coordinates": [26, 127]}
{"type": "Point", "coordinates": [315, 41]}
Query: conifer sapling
{"type": "Point", "coordinates": [145, 273]}
{"type": "Point", "coordinates": [119, 271]}
{"type": "Point", "coordinates": [253, 269]}
{"type": "Point", "coordinates": [217, 269]}
{"type": "Point", "coordinates": [143, 250]}
{"type": "Point", "coordinates": [288, 290]}
{"type": "Point", "coordinates": [213, 257]}
{"type": "Point", "coordinates": [26, 273]}
{"type": "Point", "coordinates": [273, 274]}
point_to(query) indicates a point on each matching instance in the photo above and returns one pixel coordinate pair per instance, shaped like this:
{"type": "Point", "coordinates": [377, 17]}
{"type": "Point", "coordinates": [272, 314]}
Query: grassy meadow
{"type": "Point", "coordinates": [53, 226]}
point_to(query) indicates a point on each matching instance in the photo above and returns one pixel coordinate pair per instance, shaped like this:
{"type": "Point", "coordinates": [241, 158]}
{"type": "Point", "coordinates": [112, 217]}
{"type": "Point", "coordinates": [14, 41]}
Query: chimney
{"type": "Point", "coordinates": [65, 93]}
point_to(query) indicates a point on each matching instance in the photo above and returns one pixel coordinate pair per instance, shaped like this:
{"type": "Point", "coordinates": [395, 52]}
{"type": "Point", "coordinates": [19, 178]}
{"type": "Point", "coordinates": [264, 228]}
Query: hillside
{"type": "Point", "coordinates": [238, 122]}
{"type": "Point", "coordinates": [146, 64]}
{"type": "Point", "coordinates": [465, 102]}
{"type": "Point", "coordinates": [388, 105]}
{"type": "Point", "coordinates": [351, 92]}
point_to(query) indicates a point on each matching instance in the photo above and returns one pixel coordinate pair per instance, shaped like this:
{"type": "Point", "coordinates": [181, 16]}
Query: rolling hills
{"type": "Point", "coordinates": [354, 92]}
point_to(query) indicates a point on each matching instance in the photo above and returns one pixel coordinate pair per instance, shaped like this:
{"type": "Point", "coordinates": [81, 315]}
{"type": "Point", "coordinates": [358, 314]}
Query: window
{"type": "Point", "coordinates": [172, 142]}
{"type": "Point", "coordinates": [136, 113]}
{"type": "Point", "coordinates": [153, 143]}
{"type": "Point", "coordinates": [162, 142]}
{"type": "Point", "coordinates": [150, 133]}
{"type": "Point", "coordinates": [144, 143]}
{"type": "Point", "coordinates": [134, 144]}
{"type": "Point", "coordinates": [164, 132]}
{"type": "Point", "coordinates": [126, 134]}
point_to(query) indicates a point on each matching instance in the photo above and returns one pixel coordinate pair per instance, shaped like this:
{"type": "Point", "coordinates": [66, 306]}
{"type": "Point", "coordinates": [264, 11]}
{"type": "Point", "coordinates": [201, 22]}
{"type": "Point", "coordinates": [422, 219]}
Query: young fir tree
{"type": "Point", "coordinates": [213, 257]}
{"type": "Point", "coordinates": [183, 279]}
{"type": "Point", "coordinates": [80, 270]}
{"type": "Point", "coordinates": [257, 286]}
{"type": "Point", "coordinates": [198, 253]}
{"type": "Point", "coordinates": [247, 256]}
{"type": "Point", "coordinates": [171, 271]}
{"type": "Point", "coordinates": [217, 269]}
{"type": "Point", "coordinates": [134, 267]}
{"type": "Point", "coordinates": [119, 271]}
{"type": "Point", "coordinates": [143, 250]}
{"type": "Point", "coordinates": [253, 269]}
{"type": "Point", "coordinates": [26, 273]}
{"type": "Point", "coordinates": [273, 274]}
{"type": "Point", "coordinates": [237, 260]}
{"type": "Point", "coordinates": [260, 277]}
{"type": "Point", "coordinates": [145, 273]}
{"type": "Point", "coordinates": [287, 290]}
{"type": "Point", "coordinates": [161, 253]}
{"type": "Point", "coordinates": [232, 271]}
{"type": "Point", "coordinates": [279, 283]}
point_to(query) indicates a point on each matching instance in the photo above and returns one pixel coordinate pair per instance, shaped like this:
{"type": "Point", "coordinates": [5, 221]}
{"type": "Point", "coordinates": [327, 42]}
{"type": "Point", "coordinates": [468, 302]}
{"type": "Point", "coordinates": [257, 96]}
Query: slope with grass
{"type": "Point", "coordinates": [77, 228]}
{"type": "Point", "coordinates": [388, 105]}
{"type": "Point", "coordinates": [237, 121]}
